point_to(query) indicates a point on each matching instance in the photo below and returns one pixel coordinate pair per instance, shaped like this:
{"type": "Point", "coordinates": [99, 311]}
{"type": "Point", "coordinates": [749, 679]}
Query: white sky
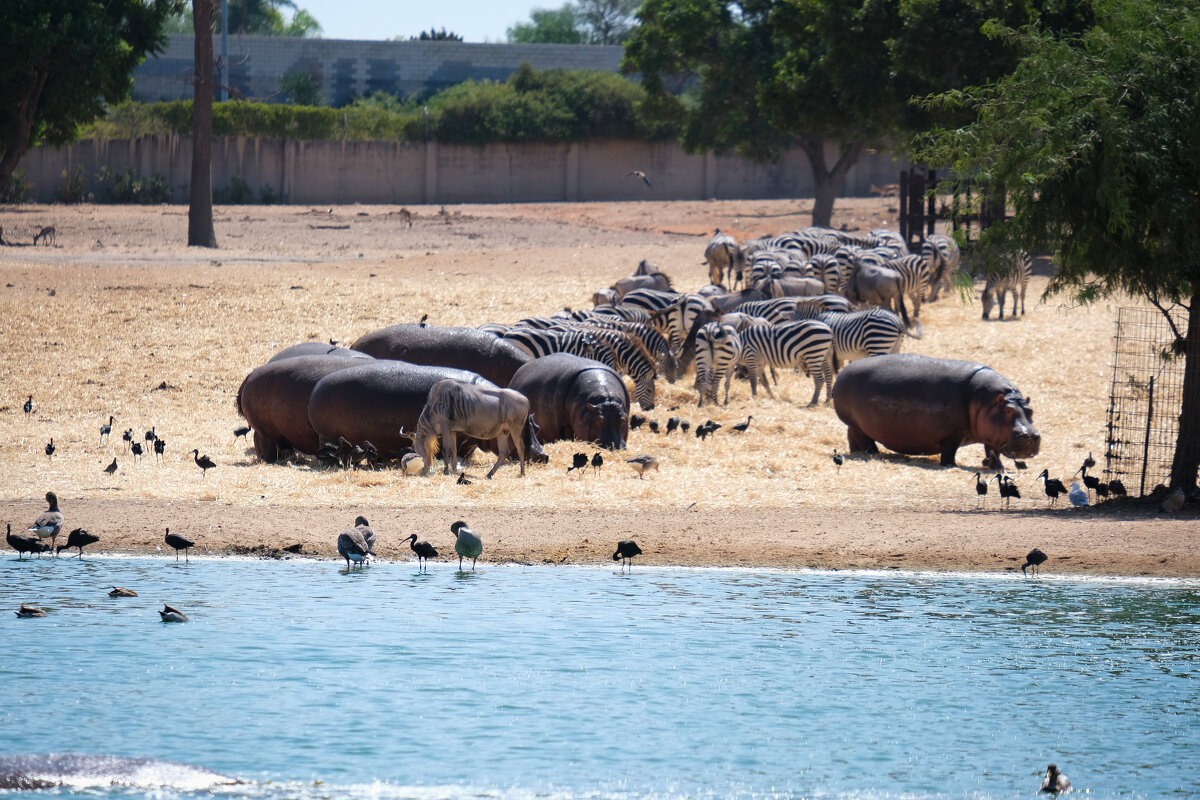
{"type": "Point", "coordinates": [474, 20]}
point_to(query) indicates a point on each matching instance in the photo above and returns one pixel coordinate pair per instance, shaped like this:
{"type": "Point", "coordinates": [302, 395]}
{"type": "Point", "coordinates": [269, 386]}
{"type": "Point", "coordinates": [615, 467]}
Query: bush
{"type": "Point", "coordinates": [130, 187]}
{"type": "Point", "coordinates": [237, 193]}
{"type": "Point", "coordinates": [73, 188]}
{"type": "Point", "coordinates": [17, 189]}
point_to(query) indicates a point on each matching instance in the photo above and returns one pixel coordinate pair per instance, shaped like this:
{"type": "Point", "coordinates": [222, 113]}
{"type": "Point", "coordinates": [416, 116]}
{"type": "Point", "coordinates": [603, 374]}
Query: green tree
{"type": "Point", "coordinates": [45, 95]}
{"type": "Point", "coordinates": [607, 21]}
{"type": "Point", "coordinates": [1096, 139]}
{"type": "Point", "coordinates": [831, 77]}
{"type": "Point", "coordinates": [255, 17]}
{"type": "Point", "coordinates": [433, 35]}
{"type": "Point", "coordinates": [549, 26]}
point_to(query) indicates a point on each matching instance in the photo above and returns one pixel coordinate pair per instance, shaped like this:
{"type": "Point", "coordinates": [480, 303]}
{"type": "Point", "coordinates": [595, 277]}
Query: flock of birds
{"type": "Point", "coordinates": [1053, 487]}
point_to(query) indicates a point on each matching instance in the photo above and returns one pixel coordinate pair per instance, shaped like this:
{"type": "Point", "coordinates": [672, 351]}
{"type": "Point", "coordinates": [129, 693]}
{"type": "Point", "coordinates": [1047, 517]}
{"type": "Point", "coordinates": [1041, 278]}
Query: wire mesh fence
{"type": "Point", "coordinates": [1146, 395]}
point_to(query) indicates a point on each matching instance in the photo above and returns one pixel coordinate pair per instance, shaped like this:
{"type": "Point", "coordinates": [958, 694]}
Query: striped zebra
{"type": "Point", "coordinates": [914, 279]}
{"type": "Point", "coordinates": [1013, 277]}
{"type": "Point", "coordinates": [778, 310]}
{"type": "Point", "coordinates": [647, 335]}
{"type": "Point", "coordinates": [538, 343]}
{"type": "Point", "coordinates": [944, 258]}
{"type": "Point", "coordinates": [860, 334]}
{"type": "Point", "coordinates": [718, 350]}
{"type": "Point", "coordinates": [630, 356]}
{"type": "Point", "coordinates": [804, 343]}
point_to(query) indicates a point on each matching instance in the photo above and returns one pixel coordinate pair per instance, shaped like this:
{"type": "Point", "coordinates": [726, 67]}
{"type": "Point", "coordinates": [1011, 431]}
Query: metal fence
{"type": "Point", "coordinates": [1147, 392]}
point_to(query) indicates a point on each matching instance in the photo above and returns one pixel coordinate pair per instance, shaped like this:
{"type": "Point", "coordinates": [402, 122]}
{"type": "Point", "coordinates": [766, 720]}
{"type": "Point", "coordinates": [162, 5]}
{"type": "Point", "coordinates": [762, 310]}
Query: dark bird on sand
{"type": "Point", "coordinates": [641, 464]}
{"type": "Point", "coordinates": [684, 425]}
{"type": "Point", "coordinates": [29, 404]}
{"type": "Point", "coordinates": [1089, 462]}
{"type": "Point", "coordinates": [626, 550]}
{"type": "Point", "coordinates": [121, 591]}
{"type": "Point", "coordinates": [24, 543]}
{"type": "Point", "coordinates": [672, 424]}
{"type": "Point", "coordinates": [463, 480]}
{"type": "Point", "coordinates": [424, 318]}
{"type": "Point", "coordinates": [295, 549]}
{"type": "Point", "coordinates": [106, 429]}
{"type": "Point", "coordinates": [136, 449]}
{"type": "Point", "coordinates": [160, 447]}
{"type": "Point", "coordinates": [1035, 558]}
{"type": "Point", "coordinates": [467, 544]}
{"type": "Point", "coordinates": [981, 489]}
{"type": "Point", "coordinates": [151, 435]}
{"type": "Point", "coordinates": [1054, 487]}
{"type": "Point", "coordinates": [50, 448]}
{"type": "Point", "coordinates": [578, 461]}
{"type": "Point", "coordinates": [1117, 487]}
{"type": "Point", "coordinates": [78, 538]}
{"type": "Point", "coordinates": [637, 173]}
{"type": "Point", "coordinates": [203, 462]}
{"type": "Point", "coordinates": [172, 614]}
{"type": "Point", "coordinates": [179, 543]}
{"type": "Point", "coordinates": [1090, 481]}
{"type": "Point", "coordinates": [424, 550]}
{"type": "Point", "coordinates": [838, 459]}
{"type": "Point", "coordinates": [1008, 489]}
{"type": "Point", "coordinates": [242, 431]}
{"type": "Point", "coordinates": [653, 425]}
{"type": "Point", "coordinates": [635, 421]}
{"type": "Point", "coordinates": [26, 611]}
{"type": "Point", "coordinates": [111, 468]}
{"type": "Point", "coordinates": [127, 436]}
{"type": "Point", "coordinates": [49, 523]}
{"type": "Point", "coordinates": [1055, 782]}
{"type": "Point", "coordinates": [597, 462]}
{"type": "Point", "coordinates": [742, 427]}
{"type": "Point", "coordinates": [1019, 464]}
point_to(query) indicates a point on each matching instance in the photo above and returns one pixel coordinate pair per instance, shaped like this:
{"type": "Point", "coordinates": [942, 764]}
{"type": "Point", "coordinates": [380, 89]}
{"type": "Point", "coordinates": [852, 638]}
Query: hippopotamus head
{"type": "Point", "coordinates": [606, 423]}
{"type": "Point", "coordinates": [1003, 421]}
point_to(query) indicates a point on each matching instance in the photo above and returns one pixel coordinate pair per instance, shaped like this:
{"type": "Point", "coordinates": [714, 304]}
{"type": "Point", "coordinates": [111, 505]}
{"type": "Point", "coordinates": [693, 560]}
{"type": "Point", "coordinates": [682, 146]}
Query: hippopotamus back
{"type": "Point", "coordinates": [462, 348]}
{"type": "Point", "coordinates": [317, 349]}
{"type": "Point", "coordinates": [373, 401]}
{"type": "Point", "coordinates": [572, 397]}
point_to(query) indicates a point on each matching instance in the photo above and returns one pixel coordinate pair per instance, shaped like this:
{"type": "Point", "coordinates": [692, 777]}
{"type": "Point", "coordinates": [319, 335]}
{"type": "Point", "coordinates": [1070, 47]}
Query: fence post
{"type": "Point", "coordinates": [1146, 444]}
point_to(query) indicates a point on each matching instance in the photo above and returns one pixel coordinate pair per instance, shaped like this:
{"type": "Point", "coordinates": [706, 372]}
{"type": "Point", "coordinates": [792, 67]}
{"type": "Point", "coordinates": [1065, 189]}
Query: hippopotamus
{"type": "Point", "coordinates": [462, 348]}
{"type": "Point", "coordinates": [316, 349]}
{"type": "Point", "coordinates": [920, 405]}
{"type": "Point", "coordinates": [274, 400]}
{"type": "Point", "coordinates": [77, 770]}
{"type": "Point", "coordinates": [575, 398]}
{"type": "Point", "coordinates": [374, 401]}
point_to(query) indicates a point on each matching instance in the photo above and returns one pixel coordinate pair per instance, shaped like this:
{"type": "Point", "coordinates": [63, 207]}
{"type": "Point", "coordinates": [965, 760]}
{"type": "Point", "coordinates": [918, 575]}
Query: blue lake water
{"type": "Point", "coordinates": [570, 682]}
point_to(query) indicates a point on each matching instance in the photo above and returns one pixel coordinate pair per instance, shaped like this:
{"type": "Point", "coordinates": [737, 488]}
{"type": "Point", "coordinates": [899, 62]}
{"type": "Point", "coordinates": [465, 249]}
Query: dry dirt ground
{"type": "Point", "coordinates": [118, 317]}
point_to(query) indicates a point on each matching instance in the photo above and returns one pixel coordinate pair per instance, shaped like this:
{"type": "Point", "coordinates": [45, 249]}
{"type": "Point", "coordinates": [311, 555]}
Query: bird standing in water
{"type": "Point", "coordinates": [177, 542]}
{"type": "Point", "coordinates": [626, 550]}
{"type": "Point", "coordinates": [78, 538]}
{"type": "Point", "coordinates": [1034, 558]}
{"type": "Point", "coordinates": [49, 523]}
{"type": "Point", "coordinates": [467, 544]}
{"type": "Point", "coordinates": [424, 551]}
{"type": "Point", "coordinates": [352, 546]}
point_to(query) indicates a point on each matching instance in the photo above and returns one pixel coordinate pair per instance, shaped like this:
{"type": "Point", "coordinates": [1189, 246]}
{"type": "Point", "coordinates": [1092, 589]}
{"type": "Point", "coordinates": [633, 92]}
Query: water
{"type": "Point", "coordinates": [572, 682]}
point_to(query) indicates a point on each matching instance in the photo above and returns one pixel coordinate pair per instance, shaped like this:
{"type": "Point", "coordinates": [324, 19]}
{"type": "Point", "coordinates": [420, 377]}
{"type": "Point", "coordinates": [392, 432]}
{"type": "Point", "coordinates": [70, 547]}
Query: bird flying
{"type": "Point", "coordinates": [637, 173]}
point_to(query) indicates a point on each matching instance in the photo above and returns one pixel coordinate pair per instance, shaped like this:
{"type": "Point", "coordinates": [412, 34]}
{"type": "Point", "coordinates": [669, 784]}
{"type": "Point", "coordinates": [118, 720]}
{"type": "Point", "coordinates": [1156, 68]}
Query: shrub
{"type": "Point", "coordinates": [237, 193]}
{"type": "Point", "coordinates": [130, 187]}
{"type": "Point", "coordinates": [73, 188]}
{"type": "Point", "coordinates": [17, 189]}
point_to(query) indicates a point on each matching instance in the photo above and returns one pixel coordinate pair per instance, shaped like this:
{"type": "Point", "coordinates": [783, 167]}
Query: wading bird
{"type": "Point", "coordinates": [838, 458]}
{"type": "Point", "coordinates": [424, 551]}
{"type": "Point", "coordinates": [178, 543]}
{"type": "Point", "coordinates": [29, 405]}
{"type": "Point", "coordinates": [981, 489]}
{"type": "Point", "coordinates": [50, 448]}
{"type": "Point", "coordinates": [597, 462]}
{"type": "Point", "coordinates": [1034, 558]}
{"type": "Point", "coordinates": [1054, 487]}
{"type": "Point", "coordinates": [626, 550]}
{"type": "Point", "coordinates": [24, 543]}
{"type": "Point", "coordinates": [105, 430]}
{"type": "Point", "coordinates": [467, 544]}
{"type": "Point", "coordinates": [78, 538]}
{"type": "Point", "coordinates": [352, 546]}
{"type": "Point", "coordinates": [578, 461]}
{"type": "Point", "coordinates": [203, 462]}
{"type": "Point", "coordinates": [742, 427]}
{"type": "Point", "coordinates": [242, 431]}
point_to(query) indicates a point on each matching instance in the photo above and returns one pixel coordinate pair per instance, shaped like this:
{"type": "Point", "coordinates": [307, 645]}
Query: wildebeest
{"type": "Point", "coordinates": [459, 407]}
{"type": "Point", "coordinates": [723, 255]}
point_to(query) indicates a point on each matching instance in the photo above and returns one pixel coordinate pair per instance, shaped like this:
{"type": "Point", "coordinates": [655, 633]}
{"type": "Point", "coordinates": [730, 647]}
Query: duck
{"type": "Point", "coordinates": [172, 614]}
{"type": "Point", "coordinates": [643, 463]}
{"type": "Point", "coordinates": [26, 611]}
{"type": "Point", "coordinates": [1055, 782]}
{"type": "Point", "coordinates": [49, 523]}
{"type": "Point", "coordinates": [121, 591]}
{"type": "Point", "coordinates": [467, 544]}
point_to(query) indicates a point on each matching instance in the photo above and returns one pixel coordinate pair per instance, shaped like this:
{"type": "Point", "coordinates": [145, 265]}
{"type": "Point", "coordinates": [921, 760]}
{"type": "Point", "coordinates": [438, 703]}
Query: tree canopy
{"type": "Point", "coordinates": [832, 77]}
{"type": "Point", "coordinates": [584, 22]}
{"type": "Point", "coordinates": [255, 17]}
{"type": "Point", "coordinates": [43, 43]}
{"type": "Point", "coordinates": [1095, 139]}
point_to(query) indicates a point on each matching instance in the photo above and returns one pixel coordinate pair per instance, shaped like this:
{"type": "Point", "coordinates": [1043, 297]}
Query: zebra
{"type": "Point", "coordinates": [1014, 277]}
{"type": "Point", "coordinates": [944, 257]}
{"type": "Point", "coordinates": [859, 334]}
{"type": "Point", "coordinates": [806, 343]}
{"type": "Point", "coordinates": [718, 350]}
{"type": "Point", "coordinates": [828, 269]}
{"type": "Point", "coordinates": [646, 334]}
{"type": "Point", "coordinates": [538, 343]}
{"type": "Point", "coordinates": [630, 356]}
{"type": "Point", "coordinates": [914, 278]}
{"type": "Point", "coordinates": [777, 310]}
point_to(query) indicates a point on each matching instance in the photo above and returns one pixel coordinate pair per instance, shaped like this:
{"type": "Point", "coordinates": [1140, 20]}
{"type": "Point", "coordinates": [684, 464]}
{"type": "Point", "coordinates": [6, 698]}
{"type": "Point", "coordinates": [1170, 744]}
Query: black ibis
{"type": "Point", "coordinates": [136, 449]}
{"type": "Point", "coordinates": [1055, 782]}
{"type": "Point", "coordinates": [160, 447]}
{"type": "Point", "coordinates": [1117, 487]}
{"type": "Point", "coordinates": [24, 542]}
{"type": "Point", "coordinates": [424, 551]}
{"type": "Point", "coordinates": [742, 427]}
{"type": "Point", "coordinates": [1008, 489]}
{"type": "Point", "coordinates": [203, 462]}
{"type": "Point", "coordinates": [1054, 487]}
{"type": "Point", "coordinates": [1090, 481]}
{"type": "Point", "coordinates": [578, 461]}
{"type": "Point", "coordinates": [597, 462]}
{"type": "Point", "coordinates": [78, 538]}
{"type": "Point", "coordinates": [641, 464]}
{"type": "Point", "coordinates": [653, 425]}
{"type": "Point", "coordinates": [672, 424]}
{"type": "Point", "coordinates": [467, 544]}
{"type": "Point", "coordinates": [106, 429]}
{"type": "Point", "coordinates": [626, 550]}
{"type": "Point", "coordinates": [29, 405]}
{"type": "Point", "coordinates": [50, 448]}
{"type": "Point", "coordinates": [179, 543]}
{"type": "Point", "coordinates": [151, 435]}
{"type": "Point", "coordinates": [239, 432]}
{"type": "Point", "coordinates": [981, 489]}
{"type": "Point", "coordinates": [1034, 558]}
{"type": "Point", "coordinates": [838, 459]}
{"type": "Point", "coordinates": [172, 614]}
{"type": "Point", "coordinates": [49, 523]}
{"type": "Point", "coordinates": [127, 436]}
{"type": "Point", "coordinates": [635, 421]}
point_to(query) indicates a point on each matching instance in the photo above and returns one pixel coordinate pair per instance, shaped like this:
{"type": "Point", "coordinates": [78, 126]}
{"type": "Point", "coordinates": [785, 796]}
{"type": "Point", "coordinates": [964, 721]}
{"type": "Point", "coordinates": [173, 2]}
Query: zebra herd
{"type": "Point", "coordinates": [812, 300]}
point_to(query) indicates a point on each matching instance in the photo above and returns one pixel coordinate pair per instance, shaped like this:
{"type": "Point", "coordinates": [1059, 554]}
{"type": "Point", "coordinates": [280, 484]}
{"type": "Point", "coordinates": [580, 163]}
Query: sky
{"type": "Point", "coordinates": [474, 20]}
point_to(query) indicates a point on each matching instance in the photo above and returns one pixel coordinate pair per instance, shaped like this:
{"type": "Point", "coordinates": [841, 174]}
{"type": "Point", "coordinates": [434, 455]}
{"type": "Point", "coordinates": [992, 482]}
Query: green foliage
{"type": "Point", "coordinates": [258, 18]}
{"type": "Point", "coordinates": [302, 87]}
{"type": "Point", "coordinates": [548, 26]}
{"type": "Point", "coordinates": [16, 190]}
{"type": "Point", "coordinates": [73, 187]}
{"type": "Point", "coordinates": [129, 187]}
{"type": "Point", "coordinates": [437, 36]}
{"type": "Point", "coordinates": [237, 193]}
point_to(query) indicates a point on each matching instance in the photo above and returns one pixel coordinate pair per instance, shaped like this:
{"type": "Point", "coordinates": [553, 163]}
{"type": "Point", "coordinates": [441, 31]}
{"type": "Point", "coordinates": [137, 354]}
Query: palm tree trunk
{"type": "Point", "coordinates": [200, 211]}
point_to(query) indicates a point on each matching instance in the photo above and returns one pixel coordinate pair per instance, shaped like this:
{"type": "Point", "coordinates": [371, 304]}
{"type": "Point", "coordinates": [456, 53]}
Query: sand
{"type": "Point", "coordinates": [118, 317]}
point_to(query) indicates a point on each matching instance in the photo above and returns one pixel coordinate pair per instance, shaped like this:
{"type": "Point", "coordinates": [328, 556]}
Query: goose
{"type": "Point", "coordinates": [26, 611]}
{"type": "Point", "coordinates": [467, 544]}
{"type": "Point", "coordinates": [641, 464]}
{"type": "Point", "coordinates": [424, 550]}
{"type": "Point", "coordinates": [172, 614]}
{"type": "Point", "coordinates": [179, 543]}
{"type": "Point", "coordinates": [1055, 782]}
{"type": "Point", "coordinates": [352, 546]}
{"type": "Point", "coordinates": [78, 538]}
{"type": "Point", "coordinates": [121, 591]}
{"type": "Point", "coordinates": [367, 531]}
{"type": "Point", "coordinates": [49, 523]}
{"type": "Point", "coordinates": [203, 462]}
{"type": "Point", "coordinates": [1034, 558]}
{"type": "Point", "coordinates": [626, 550]}
{"type": "Point", "coordinates": [105, 430]}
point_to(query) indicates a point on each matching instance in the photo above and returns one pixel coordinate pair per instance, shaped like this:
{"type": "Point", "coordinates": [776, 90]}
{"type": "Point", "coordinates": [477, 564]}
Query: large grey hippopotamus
{"type": "Point", "coordinates": [274, 400]}
{"type": "Point", "coordinates": [374, 401]}
{"type": "Point", "coordinates": [462, 348]}
{"type": "Point", "coordinates": [920, 405]}
{"type": "Point", "coordinates": [48, 771]}
{"type": "Point", "coordinates": [316, 349]}
{"type": "Point", "coordinates": [575, 398]}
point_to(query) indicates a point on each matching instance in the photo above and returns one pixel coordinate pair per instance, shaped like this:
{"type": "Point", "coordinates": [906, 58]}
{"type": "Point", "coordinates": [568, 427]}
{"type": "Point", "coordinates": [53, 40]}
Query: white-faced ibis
{"type": "Point", "coordinates": [111, 468]}
{"type": "Point", "coordinates": [1054, 487]}
{"type": "Point", "coordinates": [24, 543]}
{"type": "Point", "coordinates": [178, 543]}
{"type": "Point", "coordinates": [121, 591]}
{"type": "Point", "coordinates": [26, 611]}
{"type": "Point", "coordinates": [641, 464]}
{"type": "Point", "coordinates": [106, 429]}
{"type": "Point", "coordinates": [578, 461]}
{"type": "Point", "coordinates": [78, 538]}
{"type": "Point", "coordinates": [1172, 502]}
{"type": "Point", "coordinates": [49, 523]}
{"type": "Point", "coordinates": [203, 462]}
{"type": "Point", "coordinates": [838, 459]}
{"type": "Point", "coordinates": [1034, 558]}
{"type": "Point", "coordinates": [29, 405]}
{"type": "Point", "coordinates": [626, 550]}
{"type": "Point", "coordinates": [1055, 782]}
{"type": "Point", "coordinates": [239, 432]}
{"type": "Point", "coordinates": [424, 551]}
{"type": "Point", "coordinates": [597, 462]}
{"type": "Point", "coordinates": [672, 424]}
{"type": "Point", "coordinates": [172, 614]}
{"type": "Point", "coordinates": [467, 544]}
{"type": "Point", "coordinates": [742, 427]}
{"type": "Point", "coordinates": [352, 546]}
{"type": "Point", "coordinates": [981, 489]}
{"type": "Point", "coordinates": [1078, 496]}
{"type": "Point", "coordinates": [50, 448]}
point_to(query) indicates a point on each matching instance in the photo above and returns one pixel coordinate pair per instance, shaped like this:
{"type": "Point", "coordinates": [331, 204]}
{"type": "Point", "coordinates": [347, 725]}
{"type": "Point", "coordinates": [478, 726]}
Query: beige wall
{"type": "Point", "coordinates": [331, 172]}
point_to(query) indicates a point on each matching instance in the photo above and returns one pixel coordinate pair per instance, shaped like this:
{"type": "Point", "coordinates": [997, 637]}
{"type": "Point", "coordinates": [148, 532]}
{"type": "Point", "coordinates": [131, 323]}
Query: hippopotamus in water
{"type": "Point", "coordinates": [373, 401]}
{"type": "Point", "coordinates": [48, 771]}
{"type": "Point", "coordinates": [462, 348]}
{"type": "Point", "coordinates": [575, 398]}
{"type": "Point", "coordinates": [274, 400]}
{"type": "Point", "coordinates": [316, 349]}
{"type": "Point", "coordinates": [919, 405]}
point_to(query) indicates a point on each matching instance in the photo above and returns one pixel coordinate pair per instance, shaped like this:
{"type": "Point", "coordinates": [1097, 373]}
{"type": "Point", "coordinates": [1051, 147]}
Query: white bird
{"type": "Point", "coordinates": [49, 523]}
{"type": "Point", "coordinates": [1173, 502]}
{"type": "Point", "coordinates": [467, 545]}
{"type": "Point", "coordinates": [1079, 497]}
{"type": "Point", "coordinates": [641, 464]}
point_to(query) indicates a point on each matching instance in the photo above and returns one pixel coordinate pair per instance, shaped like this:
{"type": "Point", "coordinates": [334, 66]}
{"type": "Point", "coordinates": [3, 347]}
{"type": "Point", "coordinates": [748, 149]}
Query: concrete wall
{"type": "Point", "coordinates": [332, 172]}
{"type": "Point", "coordinates": [346, 68]}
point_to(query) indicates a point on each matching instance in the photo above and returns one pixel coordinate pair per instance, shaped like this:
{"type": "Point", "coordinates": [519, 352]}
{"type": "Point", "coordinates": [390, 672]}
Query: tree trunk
{"type": "Point", "coordinates": [17, 144]}
{"type": "Point", "coordinates": [200, 212]}
{"type": "Point", "coordinates": [828, 183]}
{"type": "Point", "coordinates": [1187, 444]}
